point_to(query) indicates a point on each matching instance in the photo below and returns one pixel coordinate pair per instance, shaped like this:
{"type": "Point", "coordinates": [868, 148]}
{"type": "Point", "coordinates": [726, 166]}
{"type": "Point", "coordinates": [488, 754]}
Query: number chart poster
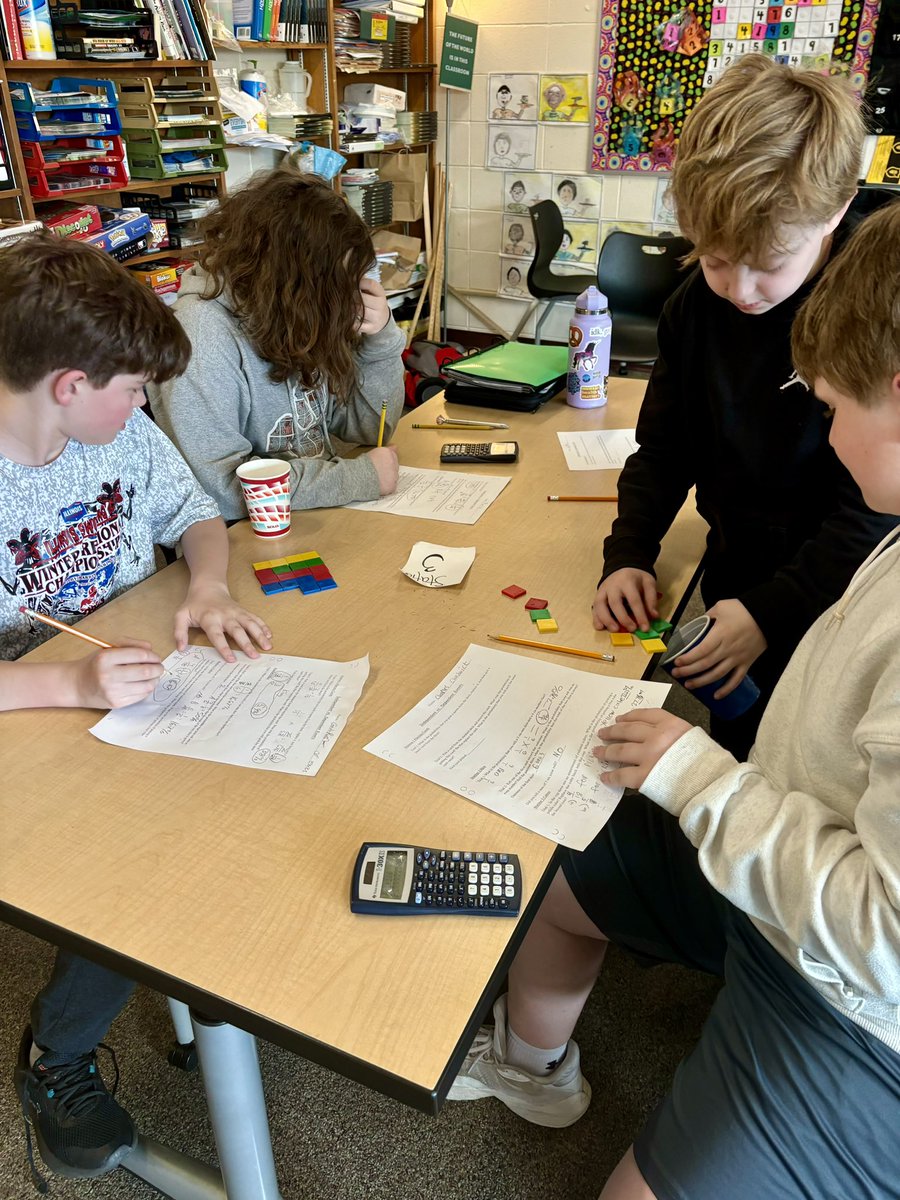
{"type": "Point", "coordinates": [658, 57]}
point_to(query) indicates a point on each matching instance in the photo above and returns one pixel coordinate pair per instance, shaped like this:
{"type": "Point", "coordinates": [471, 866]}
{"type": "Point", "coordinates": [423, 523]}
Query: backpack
{"type": "Point", "coordinates": [424, 361]}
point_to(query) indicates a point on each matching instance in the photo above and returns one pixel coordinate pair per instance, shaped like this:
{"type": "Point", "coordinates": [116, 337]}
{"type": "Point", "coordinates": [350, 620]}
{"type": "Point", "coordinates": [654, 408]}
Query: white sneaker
{"type": "Point", "coordinates": [553, 1100]}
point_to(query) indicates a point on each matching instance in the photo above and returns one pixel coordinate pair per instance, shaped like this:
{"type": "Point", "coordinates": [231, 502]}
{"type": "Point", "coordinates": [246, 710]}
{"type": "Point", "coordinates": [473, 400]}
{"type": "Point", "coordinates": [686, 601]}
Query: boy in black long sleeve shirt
{"type": "Point", "coordinates": [725, 411]}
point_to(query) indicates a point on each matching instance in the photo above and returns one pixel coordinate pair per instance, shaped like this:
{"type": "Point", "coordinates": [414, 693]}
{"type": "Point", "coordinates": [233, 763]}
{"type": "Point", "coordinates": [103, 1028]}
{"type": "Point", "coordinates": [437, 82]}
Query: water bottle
{"type": "Point", "coordinates": [590, 333]}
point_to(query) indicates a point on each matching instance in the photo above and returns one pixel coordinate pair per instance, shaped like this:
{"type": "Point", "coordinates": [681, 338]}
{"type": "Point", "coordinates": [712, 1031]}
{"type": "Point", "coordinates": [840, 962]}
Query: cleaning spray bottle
{"type": "Point", "coordinates": [253, 82]}
{"type": "Point", "coordinates": [590, 333]}
{"type": "Point", "coordinates": [37, 32]}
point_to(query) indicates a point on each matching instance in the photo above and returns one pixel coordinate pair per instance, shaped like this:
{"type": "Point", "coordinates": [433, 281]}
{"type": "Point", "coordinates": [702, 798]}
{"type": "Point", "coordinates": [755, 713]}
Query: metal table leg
{"type": "Point", "coordinates": [237, 1111]}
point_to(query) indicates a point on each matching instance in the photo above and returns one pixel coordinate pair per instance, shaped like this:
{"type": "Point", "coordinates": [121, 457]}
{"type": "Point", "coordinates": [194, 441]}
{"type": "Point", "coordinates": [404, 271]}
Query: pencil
{"type": "Point", "coordinates": [54, 624]}
{"type": "Point", "coordinates": [381, 424]}
{"type": "Point", "coordinates": [470, 423]}
{"type": "Point", "coordinates": [502, 637]}
{"type": "Point", "coordinates": [609, 499]}
{"type": "Point", "coordinates": [459, 425]}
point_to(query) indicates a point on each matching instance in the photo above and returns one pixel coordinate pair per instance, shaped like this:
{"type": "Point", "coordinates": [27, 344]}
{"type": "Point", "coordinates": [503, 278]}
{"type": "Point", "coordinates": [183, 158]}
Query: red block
{"type": "Point", "coordinates": [266, 575]}
{"type": "Point", "coordinates": [513, 591]}
{"type": "Point", "coordinates": [320, 572]}
{"type": "Point", "coordinates": [534, 602]}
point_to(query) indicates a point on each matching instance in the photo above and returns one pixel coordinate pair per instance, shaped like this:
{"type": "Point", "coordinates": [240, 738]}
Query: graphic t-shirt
{"type": "Point", "coordinates": [300, 433]}
{"type": "Point", "coordinates": [80, 530]}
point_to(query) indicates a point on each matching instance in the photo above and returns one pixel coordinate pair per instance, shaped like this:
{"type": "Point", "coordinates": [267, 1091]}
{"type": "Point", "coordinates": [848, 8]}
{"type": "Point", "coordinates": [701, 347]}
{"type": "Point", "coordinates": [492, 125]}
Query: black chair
{"type": "Point", "coordinates": [543, 282]}
{"type": "Point", "coordinates": [637, 273]}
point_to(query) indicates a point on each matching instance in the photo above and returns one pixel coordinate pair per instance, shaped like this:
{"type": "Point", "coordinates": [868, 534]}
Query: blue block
{"type": "Point", "coordinates": [325, 584]}
{"type": "Point", "coordinates": [271, 588]}
{"type": "Point", "coordinates": [307, 585]}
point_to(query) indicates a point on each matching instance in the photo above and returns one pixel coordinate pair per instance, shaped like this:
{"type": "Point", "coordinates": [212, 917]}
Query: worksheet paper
{"type": "Point", "coordinates": [276, 713]}
{"type": "Point", "coordinates": [597, 449]}
{"type": "Point", "coordinates": [437, 566]}
{"type": "Point", "coordinates": [439, 495]}
{"type": "Point", "coordinates": [515, 735]}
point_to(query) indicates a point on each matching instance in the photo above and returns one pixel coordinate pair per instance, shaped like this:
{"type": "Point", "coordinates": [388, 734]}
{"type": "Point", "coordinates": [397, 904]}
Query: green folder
{"type": "Point", "coordinates": [516, 366]}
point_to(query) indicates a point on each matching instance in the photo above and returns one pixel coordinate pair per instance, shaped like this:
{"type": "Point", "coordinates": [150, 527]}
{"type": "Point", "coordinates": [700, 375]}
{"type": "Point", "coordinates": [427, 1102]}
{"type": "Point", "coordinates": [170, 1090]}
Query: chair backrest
{"type": "Point", "coordinates": [638, 273]}
{"type": "Point", "coordinates": [547, 227]}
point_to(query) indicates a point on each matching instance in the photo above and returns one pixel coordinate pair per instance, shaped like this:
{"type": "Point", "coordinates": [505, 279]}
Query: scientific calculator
{"type": "Point", "coordinates": [479, 452]}
{"type": "Point", "coordinates": [391, 880]}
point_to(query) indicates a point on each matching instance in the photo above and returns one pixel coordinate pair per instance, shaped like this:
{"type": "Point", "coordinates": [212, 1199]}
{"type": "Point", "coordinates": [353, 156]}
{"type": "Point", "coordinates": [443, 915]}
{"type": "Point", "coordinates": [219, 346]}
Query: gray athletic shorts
{"type": "Point", "coordinates": [783, 1097]}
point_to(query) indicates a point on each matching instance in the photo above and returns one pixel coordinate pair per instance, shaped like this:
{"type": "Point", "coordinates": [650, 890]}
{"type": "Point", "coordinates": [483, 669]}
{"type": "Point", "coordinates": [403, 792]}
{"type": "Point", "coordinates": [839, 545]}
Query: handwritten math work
{"type": "Point", "coordinates": [515, 735]}
{"type": "Point", "coordinates": [277, 713]}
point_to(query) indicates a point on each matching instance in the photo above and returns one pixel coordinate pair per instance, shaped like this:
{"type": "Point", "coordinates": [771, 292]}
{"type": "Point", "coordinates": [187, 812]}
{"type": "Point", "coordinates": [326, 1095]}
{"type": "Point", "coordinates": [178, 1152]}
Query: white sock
{"type": "Point", "coordinates": [35, 1054]}
{"type": "Point", "coordinates": [532, 1059]}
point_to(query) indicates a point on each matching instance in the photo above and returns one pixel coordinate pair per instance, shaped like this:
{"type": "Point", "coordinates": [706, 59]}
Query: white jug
{"type": "Point", "coordinates": [296, 82]}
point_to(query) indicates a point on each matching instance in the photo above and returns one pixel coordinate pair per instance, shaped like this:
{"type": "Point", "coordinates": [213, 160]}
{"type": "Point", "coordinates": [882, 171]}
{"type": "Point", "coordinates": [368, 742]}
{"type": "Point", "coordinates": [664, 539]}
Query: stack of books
{"type": "Point", "coordinates": [300, 127]}
{"type": "Point", "coordinates": [406, 12]}
{"type": "Point", "coordinates": [371, 198]}
{"type": "Point", "coordinates": [417, 127]}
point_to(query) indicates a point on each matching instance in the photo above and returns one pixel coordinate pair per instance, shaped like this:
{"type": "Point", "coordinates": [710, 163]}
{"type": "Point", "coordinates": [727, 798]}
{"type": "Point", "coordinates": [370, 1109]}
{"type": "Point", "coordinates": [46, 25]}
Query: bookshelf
{"type": "Point", "coordinates": [418, 79]}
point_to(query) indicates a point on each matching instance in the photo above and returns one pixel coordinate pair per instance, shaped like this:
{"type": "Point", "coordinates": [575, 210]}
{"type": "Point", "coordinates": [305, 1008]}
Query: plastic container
{"type": "Point", "coordinates": [253, 82]}
{"type": "Point", "coordinates": [590, 332]}
{"type": "Point", "coordinates": [295, 82]}
{"type": "Point", "coordinates": [37, 32]}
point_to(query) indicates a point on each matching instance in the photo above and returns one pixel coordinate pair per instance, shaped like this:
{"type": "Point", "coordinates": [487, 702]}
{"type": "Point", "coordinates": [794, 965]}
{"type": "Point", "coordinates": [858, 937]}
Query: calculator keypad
{"type": "Point", "coordinates": [466, 879]}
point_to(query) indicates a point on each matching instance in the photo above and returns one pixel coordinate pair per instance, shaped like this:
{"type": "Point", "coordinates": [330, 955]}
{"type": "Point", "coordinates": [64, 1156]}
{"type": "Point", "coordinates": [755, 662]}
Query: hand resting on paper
{"type": "Point", "coordinates": [635, 743]}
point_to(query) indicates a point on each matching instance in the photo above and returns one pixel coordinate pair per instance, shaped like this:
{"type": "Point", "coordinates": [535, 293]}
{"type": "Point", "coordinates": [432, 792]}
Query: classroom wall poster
{"type": "Point", "coordinates": [513, 279]}
{"type": "Point", "coordinates": [656, 59]}
{"type": "Point", "coordinates": [521, 189]}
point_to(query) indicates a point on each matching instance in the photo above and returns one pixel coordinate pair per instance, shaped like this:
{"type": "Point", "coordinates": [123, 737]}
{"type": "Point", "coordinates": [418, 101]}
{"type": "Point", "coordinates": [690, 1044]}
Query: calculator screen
{"type": "Point", "coordinates": [394, 875]}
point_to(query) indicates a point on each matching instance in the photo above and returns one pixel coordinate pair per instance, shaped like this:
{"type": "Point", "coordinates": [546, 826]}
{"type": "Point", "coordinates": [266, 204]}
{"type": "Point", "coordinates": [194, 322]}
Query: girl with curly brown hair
{"type": "Point", "coordinates": [292, 346]}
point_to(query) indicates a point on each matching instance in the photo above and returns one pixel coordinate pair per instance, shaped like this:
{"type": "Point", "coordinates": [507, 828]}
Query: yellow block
{"type": "Point", "coordinates": [263, 566]}
{"type": "Point", "coordinates": [546, 625]}
{"type": "Point", "coordinates": [653, 645]}
{"type": "Point", "coordinates": [621, 639]}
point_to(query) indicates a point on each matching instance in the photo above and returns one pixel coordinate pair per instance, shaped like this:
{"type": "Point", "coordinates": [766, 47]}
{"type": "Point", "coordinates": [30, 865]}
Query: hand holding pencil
{"type": "Point", "coordinates": [110, 677]}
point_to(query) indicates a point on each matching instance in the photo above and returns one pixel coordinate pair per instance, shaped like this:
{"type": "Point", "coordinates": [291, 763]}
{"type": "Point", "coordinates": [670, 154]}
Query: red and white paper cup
{"type": "Point", "coordinates": [266, 485]}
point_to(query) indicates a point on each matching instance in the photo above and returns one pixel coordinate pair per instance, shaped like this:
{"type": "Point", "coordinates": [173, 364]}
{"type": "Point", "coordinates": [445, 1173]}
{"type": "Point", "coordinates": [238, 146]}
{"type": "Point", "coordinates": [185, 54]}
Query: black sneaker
{"type": "Point", "coordinates": [81, 1131]}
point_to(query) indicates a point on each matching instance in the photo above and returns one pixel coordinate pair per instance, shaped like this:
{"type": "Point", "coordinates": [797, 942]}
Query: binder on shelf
{"type": "Point", "coordinates": [12, 33]}
{"type": "Point", "coordinates": [513, 367]}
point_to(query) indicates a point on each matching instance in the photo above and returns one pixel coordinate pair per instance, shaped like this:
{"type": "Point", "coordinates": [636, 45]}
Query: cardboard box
{"type": "Point", "coordinates": [375, 93]}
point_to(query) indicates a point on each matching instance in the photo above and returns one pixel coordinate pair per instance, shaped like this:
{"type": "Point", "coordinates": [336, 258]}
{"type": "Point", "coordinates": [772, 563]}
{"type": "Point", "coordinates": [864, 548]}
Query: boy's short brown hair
{"type": "Point", "coordinates": [769, 149]}
{"type": "Point", "coordinates": [847, 331]}
{"type": "Point", "coordinates": [67, 306]}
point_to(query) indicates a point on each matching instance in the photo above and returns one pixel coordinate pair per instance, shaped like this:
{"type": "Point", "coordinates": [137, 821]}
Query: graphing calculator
{"type": "Point", "coordinates": [479, 452]}
{"type": "Point", "coordinates": [401, 881]}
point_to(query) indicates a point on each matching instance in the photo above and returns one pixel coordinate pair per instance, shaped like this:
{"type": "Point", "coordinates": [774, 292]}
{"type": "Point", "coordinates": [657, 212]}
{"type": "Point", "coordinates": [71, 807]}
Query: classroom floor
{"type": "Point", "coordinates": [336, 1140]}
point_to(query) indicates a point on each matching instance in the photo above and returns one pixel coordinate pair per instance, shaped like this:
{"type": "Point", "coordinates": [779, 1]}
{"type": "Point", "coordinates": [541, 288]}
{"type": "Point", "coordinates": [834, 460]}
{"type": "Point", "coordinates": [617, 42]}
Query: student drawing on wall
{"type": "Point", "coordinates": [503, 111]}
{"type": "Point", "coordinates": [516, 202]}
{"type": "Point", "coordinates": [516, 243]}
{"type": "Point", "coordinates": [554, 95]}
{"type": "Point", "coordinates": [565, 252]}
{"type": "Point", "coordinates": [567, 199]}
{"type": "Point", "coordinates": [513, 284]}
{"type": "Point", "coordinates": [501, 153]}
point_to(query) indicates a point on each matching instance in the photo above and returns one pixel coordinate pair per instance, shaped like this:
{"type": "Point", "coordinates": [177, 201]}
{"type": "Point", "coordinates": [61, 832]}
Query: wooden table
{"type": "Point", "coordinates": [228, 888]}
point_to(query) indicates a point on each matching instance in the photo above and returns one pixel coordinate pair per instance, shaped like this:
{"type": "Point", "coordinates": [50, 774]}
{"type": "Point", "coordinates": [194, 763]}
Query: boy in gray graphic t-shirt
{"type": "Point", "coordinates": [88, 486]}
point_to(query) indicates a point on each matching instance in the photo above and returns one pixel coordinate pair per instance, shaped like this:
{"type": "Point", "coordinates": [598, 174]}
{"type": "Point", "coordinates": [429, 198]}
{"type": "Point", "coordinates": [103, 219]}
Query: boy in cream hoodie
{"type": "Point", "coordinates": [781, 873]}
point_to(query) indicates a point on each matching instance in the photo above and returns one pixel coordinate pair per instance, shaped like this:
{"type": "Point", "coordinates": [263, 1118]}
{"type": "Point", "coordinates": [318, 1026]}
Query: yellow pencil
{"type": "Point", "coordinates": [457, 425]}
{"type": "Point", "coordinates": [381, 424]}
{"type": "Point", "coordinates": [609, 499]}
{"type": "Point", "coordinates": [502, 637]}
{"type": "Point", "coordinates": [54, 624]}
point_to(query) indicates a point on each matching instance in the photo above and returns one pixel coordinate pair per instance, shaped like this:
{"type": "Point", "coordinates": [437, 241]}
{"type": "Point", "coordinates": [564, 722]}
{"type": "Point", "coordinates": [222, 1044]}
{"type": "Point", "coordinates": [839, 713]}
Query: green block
{"type": "Point", "coordinates": [539, 614]}
{"type": "Point", "coordinates": [660, 625]}
{"type": "Point", "coordinates": [302, 564]}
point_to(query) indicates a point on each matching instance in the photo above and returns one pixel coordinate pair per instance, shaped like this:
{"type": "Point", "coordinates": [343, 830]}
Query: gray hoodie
{"type": "Point", "coordinates": [225, 409]}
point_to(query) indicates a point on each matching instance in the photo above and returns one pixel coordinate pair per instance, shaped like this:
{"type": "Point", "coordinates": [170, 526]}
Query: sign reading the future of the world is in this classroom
{"type": "Point", "coordinates": [458, 54]}
{"type": "Point", "coordinates": [658, 56]}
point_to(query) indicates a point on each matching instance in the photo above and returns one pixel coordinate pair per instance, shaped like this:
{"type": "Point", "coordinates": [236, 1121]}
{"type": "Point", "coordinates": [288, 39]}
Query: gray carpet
{"type": "Point", "coordinates": [335, 1140]}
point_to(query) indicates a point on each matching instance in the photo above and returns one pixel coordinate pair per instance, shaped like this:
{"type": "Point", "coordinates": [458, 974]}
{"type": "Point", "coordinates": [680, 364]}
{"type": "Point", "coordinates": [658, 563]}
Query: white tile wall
{"type": "Point", "coordinates": [538, 36]}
